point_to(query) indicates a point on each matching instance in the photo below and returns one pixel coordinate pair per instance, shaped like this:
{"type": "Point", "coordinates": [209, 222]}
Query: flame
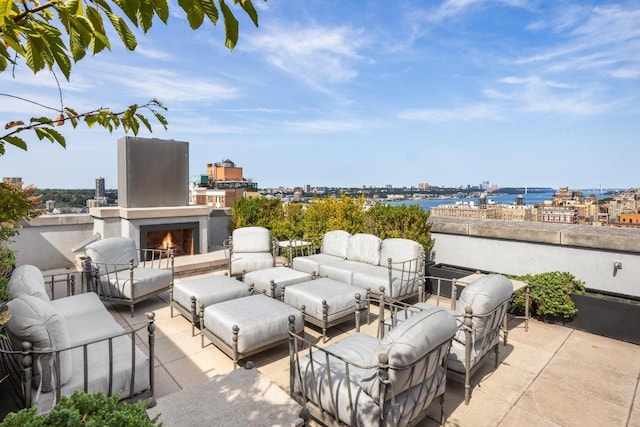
{"type": "Point", "coordinates": [167, 242]}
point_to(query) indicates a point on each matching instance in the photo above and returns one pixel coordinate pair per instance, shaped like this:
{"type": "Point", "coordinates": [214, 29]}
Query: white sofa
{"type": "Point", "coordinates": [366, 261]}
{"type": "Point", "coordinates": [51, 343]}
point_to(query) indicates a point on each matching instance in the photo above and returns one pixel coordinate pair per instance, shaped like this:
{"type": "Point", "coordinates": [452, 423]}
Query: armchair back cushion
{"type": "Point", "coordinates": [483, 296]}
{"type": "Point", "coordinates": [364, 248]}
{"type": "Point", "coordinates": [399, 250]}
{"type": "Point", "coordinates": [335, 243]}
{"type": "Point", "coordinates": [38, 322]}
{"type": "Point", "coordinates": [113, 250]}
{"type": "Point", "coordinates": [406, 345]}
{"type": "Point", "coordinates": [27, 280]}
{"type": "Point", "coordinates": [251, 239]}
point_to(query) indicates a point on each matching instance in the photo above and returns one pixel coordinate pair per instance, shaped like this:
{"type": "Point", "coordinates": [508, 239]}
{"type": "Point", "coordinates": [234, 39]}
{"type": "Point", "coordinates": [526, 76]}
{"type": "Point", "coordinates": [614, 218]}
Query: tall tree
{"type": "Point", "coordinates": [52, 34]}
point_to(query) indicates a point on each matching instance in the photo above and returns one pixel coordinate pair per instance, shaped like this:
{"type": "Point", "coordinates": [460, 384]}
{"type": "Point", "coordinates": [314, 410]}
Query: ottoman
{"type": "Point", "coordinates": [271, 281]}
{"type": "Point", "coordinates": [245, 326]}
{"type": "Point", "coordinates": [187, 295]}
{"type": "Point", "coordinates": [325, 302]}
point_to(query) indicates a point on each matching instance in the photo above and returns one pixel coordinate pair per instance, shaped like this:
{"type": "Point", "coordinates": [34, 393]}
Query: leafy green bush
{"type": "Point", "coordinates": [550, 294]}
{"type": "Point", "coordinates": [83, 409]}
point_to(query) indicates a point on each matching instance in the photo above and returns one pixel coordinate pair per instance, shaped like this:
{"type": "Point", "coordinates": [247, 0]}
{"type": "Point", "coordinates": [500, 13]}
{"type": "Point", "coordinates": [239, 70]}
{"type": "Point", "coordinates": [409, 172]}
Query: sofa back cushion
{"type": "Point", "coordinates": [364, 248]}
{"type": "Point", "coordinates": [27, 280]}
{"type": "Point", "coordinates": [483, 295]}
{"type": "Point", "coordinates": [335, 243]}
{"type": "Point", "coordinates": [39, 323]}
{"type": "Point", "coordinates": [399, 250]}
{"type": "Point", "coordinates": [407, 346]}
{"type": "Point", "coordinates": [113, 250]}
{"type": "Point", "coordinates": [251, 239]}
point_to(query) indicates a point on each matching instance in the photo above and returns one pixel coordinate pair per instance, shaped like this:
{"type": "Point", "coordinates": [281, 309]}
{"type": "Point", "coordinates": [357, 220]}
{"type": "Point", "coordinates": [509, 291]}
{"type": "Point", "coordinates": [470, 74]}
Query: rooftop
{"type": "Point", "coordinates": [549, 375]}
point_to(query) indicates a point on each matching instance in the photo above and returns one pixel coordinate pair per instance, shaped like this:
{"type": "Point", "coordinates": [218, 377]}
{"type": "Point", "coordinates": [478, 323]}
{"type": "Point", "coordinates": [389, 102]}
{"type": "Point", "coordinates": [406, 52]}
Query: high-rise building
{"type": "Point", "coordinates": [100, 193]}
{"type": "Point", "coordinates": [15, 180]}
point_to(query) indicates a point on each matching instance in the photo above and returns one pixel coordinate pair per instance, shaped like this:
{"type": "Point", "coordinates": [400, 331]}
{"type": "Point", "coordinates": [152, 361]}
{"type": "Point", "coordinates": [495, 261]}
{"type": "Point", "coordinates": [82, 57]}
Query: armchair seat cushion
{"type": "Point", "coordinates": [78, 305]}
{"type": "Point", "coordinates": [145, 281]}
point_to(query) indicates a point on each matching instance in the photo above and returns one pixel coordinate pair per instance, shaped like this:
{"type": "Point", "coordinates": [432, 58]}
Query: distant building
{"type": "Point", "coordinates": [15, 180]}
{"type": "Point", "coordinates": [559, 214]}
{"type": "Point", "coordinates": [100, 192]}
{"type": "Point", "coordinates": [424, 186]}
{"type": "Point", "coordinates": [50, 205]}
{"type": "Point", "coordinates": [224, 184]}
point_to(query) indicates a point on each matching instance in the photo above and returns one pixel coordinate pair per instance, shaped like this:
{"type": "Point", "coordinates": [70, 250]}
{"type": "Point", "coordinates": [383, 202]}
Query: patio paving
{"type": "Point", "coordinates": [549, 376]}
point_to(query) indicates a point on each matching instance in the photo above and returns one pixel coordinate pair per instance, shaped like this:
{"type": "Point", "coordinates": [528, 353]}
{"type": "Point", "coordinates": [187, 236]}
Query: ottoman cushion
{"type": "Point", "coordinates": [282, 276]}
{"type": "Point", "coordinates": [208, 290]}
{"type": "Point", "coordinates": [262, 321]}
{"type": "Point", "coordinates": [340, 297]}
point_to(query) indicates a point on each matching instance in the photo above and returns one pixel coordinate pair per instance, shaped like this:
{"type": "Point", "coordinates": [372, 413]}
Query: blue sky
{"type": "Point", "coordinates": [352, 93]}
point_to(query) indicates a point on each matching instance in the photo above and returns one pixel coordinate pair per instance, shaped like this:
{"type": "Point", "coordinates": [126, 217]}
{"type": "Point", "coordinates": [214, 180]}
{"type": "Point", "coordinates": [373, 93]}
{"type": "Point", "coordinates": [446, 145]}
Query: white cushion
{"type": "Point", "coordinates": [340, 298]}
{"type": "Point", "coordinates": [38, 322]}
{"type": "Point", "coordinates": [145, 281]}
{"type": "Point", "coordinates": [250, 261]}
{"type": "Point", "coordinates": [90, 327]}
{"type": "Point", "coordinates": [281, 276]}
{"type": "Point", "coordinates": [407, 344]}
{"type": "Point", "coordinates": [335, 243]}
{"type": "Point", "coordinates": [208, 290]}
{"type": "Point", "coordinates": [342, 271]}
{"type": "Point", "coordinates": [311, 263]}
{"type": "Point", "coordinates": [27, 280]}
{"type": "Point", "coordinates": [78, 305]}
{"type": "Point", "coordinates": [364, 248]}
{"type": "Point", "coordinates": [251, 239]}
{"type": "Point", "coordinates": [483, 296]}
{"type": "Point", "coordinates": [399, 250]}
{"type": "Point", "coordinates": [113, 250]}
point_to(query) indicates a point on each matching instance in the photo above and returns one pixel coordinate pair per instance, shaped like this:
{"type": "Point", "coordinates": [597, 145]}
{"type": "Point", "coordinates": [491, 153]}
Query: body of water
{"type": "Point", "coordinates": [506, 199]}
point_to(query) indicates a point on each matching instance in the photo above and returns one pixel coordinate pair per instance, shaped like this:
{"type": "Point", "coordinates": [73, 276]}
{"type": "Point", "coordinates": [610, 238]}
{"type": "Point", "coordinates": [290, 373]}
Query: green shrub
{"type": "Point", "coordinates": [83, 409]}
{"type": "Point", "coordinates": [550, 294]}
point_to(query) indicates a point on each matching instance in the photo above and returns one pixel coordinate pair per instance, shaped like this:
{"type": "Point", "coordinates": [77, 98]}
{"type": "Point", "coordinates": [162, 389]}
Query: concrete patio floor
{"type": "Point", "coordinates": [549, 376]}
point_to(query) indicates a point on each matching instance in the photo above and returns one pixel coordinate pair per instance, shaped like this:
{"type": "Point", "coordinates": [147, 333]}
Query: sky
{"type": "Point", "coordinates": [365, 93]}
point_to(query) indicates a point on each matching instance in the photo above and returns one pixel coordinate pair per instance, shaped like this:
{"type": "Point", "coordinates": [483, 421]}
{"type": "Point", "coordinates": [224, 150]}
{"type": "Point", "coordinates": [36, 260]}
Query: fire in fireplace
{"type": "Point", "coordinates": [183, 238]}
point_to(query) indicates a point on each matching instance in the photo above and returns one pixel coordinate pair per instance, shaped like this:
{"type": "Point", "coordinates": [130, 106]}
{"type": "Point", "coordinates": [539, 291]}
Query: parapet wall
{"type": "Point", "coordinates": [510, 247]}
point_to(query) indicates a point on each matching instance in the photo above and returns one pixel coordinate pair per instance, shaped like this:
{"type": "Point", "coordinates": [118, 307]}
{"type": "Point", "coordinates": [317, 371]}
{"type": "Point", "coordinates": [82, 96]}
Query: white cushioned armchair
{"type": "Point", "coordinates": [250, 249]}
{"type": "Point", "coordinates": [56, 347]}
{"type": "Point", "coordinates": [364, 381]}
{"type": "Point", "coordinates": [117, 274]}
{"type": "Point", "coordinates": [480, 314]}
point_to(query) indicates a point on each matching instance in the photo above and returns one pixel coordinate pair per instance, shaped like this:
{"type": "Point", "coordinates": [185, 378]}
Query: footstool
{"type": "Point", "coordinates": [271, 281]}
{"type": "Point", "coordinates": [245, 326]}
{"type": "Point", "coordinates": [325, 302]}
{"type": "Point", "coordinates": [187, 295]}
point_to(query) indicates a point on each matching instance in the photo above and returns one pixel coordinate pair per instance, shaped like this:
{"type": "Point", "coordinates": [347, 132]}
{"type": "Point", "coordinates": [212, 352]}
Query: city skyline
{"type": "Point", "coordinates": [334, 93]}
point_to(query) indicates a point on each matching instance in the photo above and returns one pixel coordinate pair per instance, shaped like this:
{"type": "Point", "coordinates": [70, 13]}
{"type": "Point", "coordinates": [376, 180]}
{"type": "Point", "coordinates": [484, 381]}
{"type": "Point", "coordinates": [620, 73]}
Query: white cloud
{"type": "Point", "coordinates": [319, 56]}
{"type": "Point", "coordinates": [332, 126]}
{"type": "Point", "coordinates": [473, 112]}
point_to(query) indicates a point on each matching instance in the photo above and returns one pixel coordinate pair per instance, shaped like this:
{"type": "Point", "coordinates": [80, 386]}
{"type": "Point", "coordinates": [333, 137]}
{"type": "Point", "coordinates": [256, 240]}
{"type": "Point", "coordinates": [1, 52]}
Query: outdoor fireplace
{"type": "Point", "coordinates": [153, 199]}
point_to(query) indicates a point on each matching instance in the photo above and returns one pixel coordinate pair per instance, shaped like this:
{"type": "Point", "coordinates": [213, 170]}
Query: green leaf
{"type": "Point", "coordinates": [159, 117]}
{"type": "Point", "coordinates": [230, 26]}
{"type": "Point", "coordinates": [100, 40]}
{"type": "Point", "coordinates": [74, 7]}
{"type": "Point", "coordinates": [127, 37]}
{"type": "Point", "coordinates": [144, 121]}
{"type": "Point", "coordinates": [145, 15]}
{"type": "Point", "coordinates": [15, 141]}
{"type": "Point", "coordinates": [72, 115]}
{"type": "Point", "coordinates": [162, 9]}
{"type": "Point", "coordinates": [210, 10]}
{"type": "Point", "coordinates": [130, 8]}
{"type": "Point", "coordinates": [33, 57]}
{"type": "Point", "coordinates": [248, 7]}
{"type": "Point", "coordinates": [5, 10]}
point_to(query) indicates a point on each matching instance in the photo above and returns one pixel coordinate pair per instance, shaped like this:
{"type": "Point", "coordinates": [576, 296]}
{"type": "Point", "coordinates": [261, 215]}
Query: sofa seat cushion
{"type": "Point", "coordinates": [27, 280]}
{"type": "Point", "coordinates": [98, 371]}
{"type": "Point", "coordinates": [114, 250]}
{"type": "Point", "coordinates": [335, 243]}
{"type": "Point", "coordinates": [364, 248]}
{"type": "Point", "coordinates": [483, 295]}
{"type": "Point", "coordinates": [407, 345]}
{"type": "Point", "coordinates": [38, 322]}
{"type": "Point", "coordinates": [78, 305]}
{"type": "Point", "coordinates": [311, 263]}
{"type": "Point", "coordinates": [145, 281]}
{"type": "Point", "coordinates": [262, 321]}
{"type": "Point", "coordinates": [250, 261]}
{"type": "Point", "coordinates": [251, 239]}
{"type": "Point", "coordinates": [342, 271]}
{"type": "Point", "coordinates": [399, 250]}
{"type": "Point", "coordinates": [90, 327]}
{"type": "Point", "coordinates": [373, 277]}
